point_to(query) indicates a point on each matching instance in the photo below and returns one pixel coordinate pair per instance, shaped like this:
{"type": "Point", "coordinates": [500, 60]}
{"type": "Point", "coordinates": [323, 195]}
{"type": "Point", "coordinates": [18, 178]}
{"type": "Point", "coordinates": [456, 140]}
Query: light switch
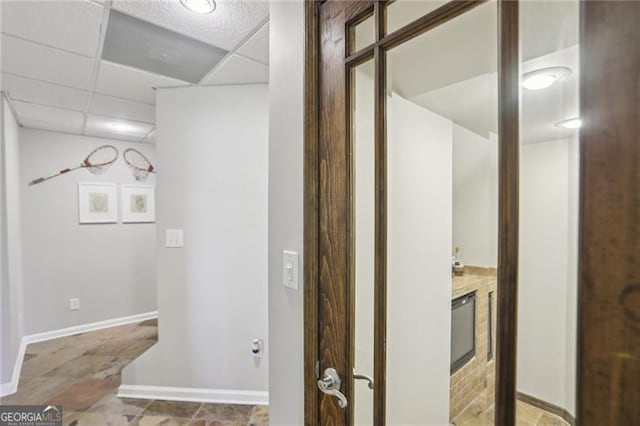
{"type": "Point", "coordinates": [174, 238]}
{"type": "Point", "coordinates": [290, 269]}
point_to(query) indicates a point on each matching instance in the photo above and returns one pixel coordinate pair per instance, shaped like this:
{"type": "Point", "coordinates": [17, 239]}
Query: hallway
{"type": "Point", "coordinates": [82, 373]}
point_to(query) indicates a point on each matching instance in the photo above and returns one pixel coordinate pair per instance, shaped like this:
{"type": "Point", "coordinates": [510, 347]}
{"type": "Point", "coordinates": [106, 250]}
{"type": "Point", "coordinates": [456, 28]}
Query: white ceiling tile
{"type": "Point", "coordinates": [238, 70]}
{"type": "Point", "coordinates": [39, 92]}
{"type": "Point", "coordinates": [130, 83]}
{"type": "Point", "coordinates": [122, 108]}
{"type": "Point", "coordinates": [54, 127]}
{"type": "Point", "coordinates": [257, 47]}
{"type": "Point", "coordinates": [70, 25]}
{"type": "Point", "coordinates": [28, 112]}
{"type": "Point", "coordinates": [39, 62]}
{"type": "Point", "coordinates": [110, 128]}
{"type": "Point", "coordinates": [226, 27]}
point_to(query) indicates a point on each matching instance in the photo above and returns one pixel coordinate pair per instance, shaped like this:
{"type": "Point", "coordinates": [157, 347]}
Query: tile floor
{"type": "Point", "coordinates": [82, 373]}
{"type": "Point", "coordinates": [526, 415]}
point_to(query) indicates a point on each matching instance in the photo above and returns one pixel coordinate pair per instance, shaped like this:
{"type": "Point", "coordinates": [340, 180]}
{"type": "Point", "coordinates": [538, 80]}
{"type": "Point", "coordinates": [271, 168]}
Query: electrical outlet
{"type": "Point", "coordinates": [174, 238]}
{"type": "Point", "coordinates": [74, 304]}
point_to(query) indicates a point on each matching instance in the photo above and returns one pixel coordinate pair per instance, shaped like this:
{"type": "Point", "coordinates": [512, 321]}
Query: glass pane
{"type": "Point", "coordinates": [362, 34]}
{"type": "Point", "coordinates": [442, 222]}
{"type": "Point", "coordinates": [403, 12]}
{"type": "Point", "coordinates": [548, 207]}
{"type": "Point", "coordinates": [362, 114]}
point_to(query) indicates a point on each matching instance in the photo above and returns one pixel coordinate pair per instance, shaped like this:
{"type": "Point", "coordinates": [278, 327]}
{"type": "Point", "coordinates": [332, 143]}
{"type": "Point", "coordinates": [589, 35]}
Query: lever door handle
{"type": "Point", "coordinates": [369, 380]}
{"type": "Point", "coordinates": [330, 384]}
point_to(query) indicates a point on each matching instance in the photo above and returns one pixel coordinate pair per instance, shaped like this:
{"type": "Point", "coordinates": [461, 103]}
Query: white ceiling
{"type": "Point", "coordinates": [55, 79]}
{"type": "Point", "coordinates": [451, 70]}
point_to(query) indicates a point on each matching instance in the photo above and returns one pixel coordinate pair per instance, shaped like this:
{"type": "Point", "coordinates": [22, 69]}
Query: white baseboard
{"type": "Point", "coordinates": [93, 326]}
{"type": "Point", "coordinates": [12, 386]}
{"type": "Point", "coordinates": [168, 393]}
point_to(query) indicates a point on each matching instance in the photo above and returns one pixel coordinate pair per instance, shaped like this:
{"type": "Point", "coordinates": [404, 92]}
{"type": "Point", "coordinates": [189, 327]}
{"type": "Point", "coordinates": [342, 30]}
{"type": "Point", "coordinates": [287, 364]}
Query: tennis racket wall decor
{"type": "Point", "coordinates": [97, 162]}
{"type": "Point", "coordinates": [139, 164]}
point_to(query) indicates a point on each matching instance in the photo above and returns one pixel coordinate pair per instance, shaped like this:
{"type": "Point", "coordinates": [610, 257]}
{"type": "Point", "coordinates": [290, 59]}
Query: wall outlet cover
{"type": "Point", "coordinates": [74, 304]}
{"type": "Point", "coordinates": [174, 238]}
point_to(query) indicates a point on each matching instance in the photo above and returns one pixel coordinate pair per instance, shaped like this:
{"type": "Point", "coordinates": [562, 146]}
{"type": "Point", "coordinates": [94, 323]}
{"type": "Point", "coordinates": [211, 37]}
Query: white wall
{"type": "Point", "coordinates": [475, 201]}
{"type": "Point", "coordinates": [547, 276]}
{"type": "Point", "coordinates": [572, 275]}
{"type": "Point", "coordinates": [212, 294]}
{"type": "Point", "coordinates": [286, 59]}
{"type": "Point", "coordinates": [364, 223]}
{"type": "Point", "coordinates": [419, 264]}
{"type": "Point", "coordinates": [11, 323]}
{"type": "Point", "coordinates": [109, 267]}
{"type": "Point", "coordinates": [419, 280]}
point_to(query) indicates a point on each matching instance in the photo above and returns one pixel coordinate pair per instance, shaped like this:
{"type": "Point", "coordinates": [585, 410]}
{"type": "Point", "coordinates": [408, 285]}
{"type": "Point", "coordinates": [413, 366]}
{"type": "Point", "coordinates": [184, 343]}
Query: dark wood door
{"type": "Point", "coordinates": [334, 209]}
{"type": "Point", "coordinates": [329, 244]}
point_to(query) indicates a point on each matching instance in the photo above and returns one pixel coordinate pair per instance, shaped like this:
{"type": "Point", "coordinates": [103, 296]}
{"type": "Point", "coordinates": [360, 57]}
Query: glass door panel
{"type": "Point", "coordinates": [549, 188]}
{"type": "Point", "coordinates": [363, 184]}
{"type": "Point", "coordinates": [442, 222]}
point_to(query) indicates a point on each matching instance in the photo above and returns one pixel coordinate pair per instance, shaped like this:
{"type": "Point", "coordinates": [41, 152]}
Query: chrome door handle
{"type": "Point", "coordinates": [369, 380]}
{"type": "Point", "coordinates": [330, 384]}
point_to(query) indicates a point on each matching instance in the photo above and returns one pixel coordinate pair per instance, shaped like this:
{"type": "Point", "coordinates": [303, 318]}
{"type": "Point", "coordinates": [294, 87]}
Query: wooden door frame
{"type": "Point", "coordinates": [508, 151]}
{"type": "Point", "coordinates": [608, 365]}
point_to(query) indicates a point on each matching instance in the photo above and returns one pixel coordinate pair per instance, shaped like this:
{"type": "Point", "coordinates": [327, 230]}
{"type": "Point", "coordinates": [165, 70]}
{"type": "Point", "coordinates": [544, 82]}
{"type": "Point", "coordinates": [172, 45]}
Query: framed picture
{"type": "Point", "coordinates": [97, 202]}
{"type": "Point", "coordinates": [138, 203]}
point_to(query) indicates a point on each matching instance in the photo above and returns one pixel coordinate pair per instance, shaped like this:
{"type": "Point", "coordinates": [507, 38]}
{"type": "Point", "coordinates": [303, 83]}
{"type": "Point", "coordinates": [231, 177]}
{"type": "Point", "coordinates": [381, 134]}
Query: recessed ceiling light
{"type": "Point", "coordinates": [572, 123]}
{"type": "Point", "coordinates": [544, 77]}
{"type": "Point", "coordinates": [199, 6]}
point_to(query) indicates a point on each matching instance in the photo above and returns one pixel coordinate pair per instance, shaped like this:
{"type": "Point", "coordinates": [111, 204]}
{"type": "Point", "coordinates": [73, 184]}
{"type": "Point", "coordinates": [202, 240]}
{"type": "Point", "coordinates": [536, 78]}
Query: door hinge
{"type": "Point", "coordinates": [317, 369]}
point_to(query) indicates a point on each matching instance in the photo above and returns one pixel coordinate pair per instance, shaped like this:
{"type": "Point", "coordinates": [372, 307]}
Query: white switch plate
{"type": "Point", "coordinates": [74, 304]}
{"type": "Point", "coordinates": [290, 269]}
{"type": "Point", "coordinates": [174, 238]}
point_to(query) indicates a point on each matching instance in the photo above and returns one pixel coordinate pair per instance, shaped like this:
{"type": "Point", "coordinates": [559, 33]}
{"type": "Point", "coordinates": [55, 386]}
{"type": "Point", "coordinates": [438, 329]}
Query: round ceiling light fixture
{"type": "Point", "coordinates": [572, 123]}
{"type": "Point", "coordinates": [544, 77]}
{"type": "Point", "coordinates": [199, 6]}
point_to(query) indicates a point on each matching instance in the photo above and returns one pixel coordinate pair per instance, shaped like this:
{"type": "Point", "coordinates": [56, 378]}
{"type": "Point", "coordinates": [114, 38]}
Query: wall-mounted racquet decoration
{"type": "Point", "coordinates": [98, 161]}
{"type": "Point", "coordinates": [140, 165]}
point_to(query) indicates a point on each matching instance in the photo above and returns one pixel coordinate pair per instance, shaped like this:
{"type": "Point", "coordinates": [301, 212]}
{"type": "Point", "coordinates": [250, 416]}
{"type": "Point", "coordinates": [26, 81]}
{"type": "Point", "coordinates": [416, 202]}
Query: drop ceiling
{"type": "Point", "coordinates": [66, 67]}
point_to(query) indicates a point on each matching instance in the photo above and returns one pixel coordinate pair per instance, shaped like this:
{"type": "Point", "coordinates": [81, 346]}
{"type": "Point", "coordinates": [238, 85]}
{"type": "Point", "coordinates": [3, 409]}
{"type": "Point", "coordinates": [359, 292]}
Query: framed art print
{"type": "Point", "coordinates": [97, 203]}
{"type": "Point", "coordinates": [138, 203]}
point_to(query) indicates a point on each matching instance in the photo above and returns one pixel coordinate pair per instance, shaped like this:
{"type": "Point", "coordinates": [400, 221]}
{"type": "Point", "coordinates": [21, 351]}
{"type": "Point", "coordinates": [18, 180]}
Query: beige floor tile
{"type": "Point", "coordinates": [38, 390]}
{"type": "Point", "coordinates": [47, 346]}
{"type": "Point", "coordinates": [44, 363]}
{"type": "Point", "coordinates": [87, 366]}
{"type": "Point", "coordinates": [95, 419]}
{"type": "Point", "coordinates": [112, 347]}
{"type": "Point", "coordinates": [259, 416]}
{"type": "Point", "coordinates": [225, 412]}
{"type": "Point", "coordinates": [84, 394]}
{"type": "Point", "coordinates": [113, 405]}
{"type": "Point", "coordinates": [149, 323]}
{"type": "Point", "coordinates": [550, 420]}
{"type": "Point", "coordinates": [172, 409]}
{"type": "Point", "coordinates": [137, 349]}
{"type": "Point", "coordinates": [527, 415]}
{"type": "Point", "coordinates": [148, 420]}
